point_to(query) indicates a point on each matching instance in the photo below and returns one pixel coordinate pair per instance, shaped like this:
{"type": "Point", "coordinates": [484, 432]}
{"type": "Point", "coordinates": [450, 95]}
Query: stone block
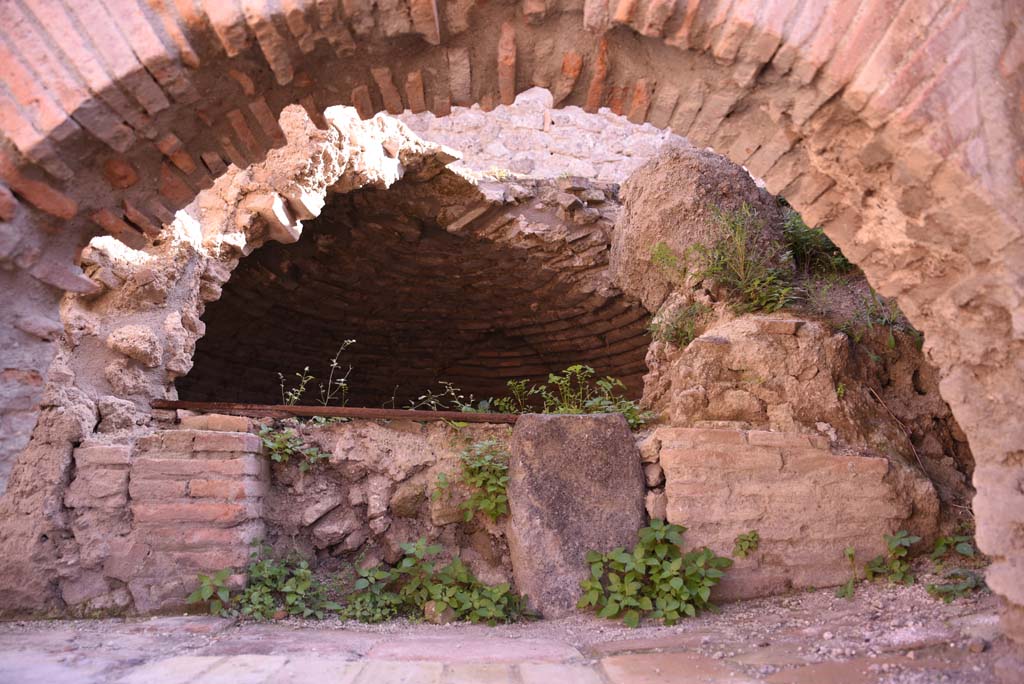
{"type": "Point", "coordinates": [113, 455]}
{"type": "Point", "coordinates": [142, 489]}
{"type": "Point", "coordinates": [575, 484]}
{"type": "Point", "coordinates": [216, 514]}
{"type": "Point", "coordinates": [177, 469]}
{"type": "Point", "coordinates": [97, 487]}
{"type": "Point", "coordinates": [217, 422]}
{"type": "Point", "coordinates": [206, 440]}
{"type": "Point", "coordinates": [226, 489]}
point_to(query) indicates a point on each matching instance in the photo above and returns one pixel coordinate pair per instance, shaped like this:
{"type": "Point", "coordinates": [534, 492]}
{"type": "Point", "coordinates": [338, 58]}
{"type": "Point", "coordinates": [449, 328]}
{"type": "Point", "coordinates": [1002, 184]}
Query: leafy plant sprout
{"type": "Point", "coordinates": [336, 388]}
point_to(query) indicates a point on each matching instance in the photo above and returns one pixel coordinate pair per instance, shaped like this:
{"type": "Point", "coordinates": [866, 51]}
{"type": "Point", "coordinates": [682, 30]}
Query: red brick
{"type": "Point", "coordinates": [361, 101]}
{"type": "Point", "coordinates": [217, 422]}
{"type": "Point", "coordinates": [97, 487]}
{"type": "Point", "coordinates": [173, 187]}
{"type": "Point", "coordinates": [115, 50]}
{"type": "Point", "coordinates": [172, 147]}
{"type": "Point", "coordinates": [295, 18]}
{"type": "Point", "coordinates": [460, 83]}
{"type": "Point", "coordinates": [617, 100]}
{"type": "Point", "coordinates": [139, 219]}
{"type": "Point", "coordinates": [114, 225]}
{"type": "Point", "coordinates": [572, 65]}
{"type": "Point", "coordinates": [33, 96]}
{"type": "Point", "coordinates": [150, 49]}
{"type": "Point", "coordinates": [92, 456]}
{"type": "Point", "coordinates": [120, 172]}
{"type": "Point", "coordinates": [226, 489]}
{"type": "Point", "coordinates": [641, 101]}
{"type": "Point", "coordinates": [208, 513]}
{"type": "Point", "coordinates": [681, 38]}
{"type": "Point", "coordinates": [241, 128]}
{"type": "Point", "coordinates": [169, 21]}
{"type": "Point", "coordinates": [267, 121]}
{"type": "Point", "coordinates": [414, 92]}
{"type": "Point", "coordinates": [389, 93]}
{"type": "Point", "coordinates": [208, 561]}
{"type": "Point", "coordinates": [534, 10]}
{"type": "Point", "coordinates": [658, 13]}
{"type": "Point", "coordinates": [272, 44]}
{"type": "Point", "coordinates": [229, 25]}
{"type": "Point", "coordinates": [595, 92]}
{"type": "Point", "coordinates": [179, 468]}
{"type": "Point", "coordinates": [425, 20]}
{"type": "Point", "coordinates": [226, 441]}
{"type": "Point", "coordinates": [181, 537]}
{"type": "Point", "coordinates": [213, 162]}
{"type": "Point", "coordinates": [244, 80]}
{"type": "Point", "coordinates": [442, 105]}
{"type": "Point", "coordinates": [37, 193]}
{"type": "Point", "coordinates": [507, 64]}
{"type": "Point", "coordinates": [142, 489]}
{"type": "Point", "coordinates": [624, 12]}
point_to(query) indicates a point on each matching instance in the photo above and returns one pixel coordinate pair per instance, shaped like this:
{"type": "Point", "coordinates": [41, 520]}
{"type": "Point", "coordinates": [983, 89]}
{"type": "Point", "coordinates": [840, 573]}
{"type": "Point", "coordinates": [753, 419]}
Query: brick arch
{"type": "Point", "coordinates": [897, 126]}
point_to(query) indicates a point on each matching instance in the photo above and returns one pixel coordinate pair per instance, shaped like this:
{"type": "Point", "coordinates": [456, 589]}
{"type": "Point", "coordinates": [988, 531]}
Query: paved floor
{"type": "Point", "coordinates": [886, 636]}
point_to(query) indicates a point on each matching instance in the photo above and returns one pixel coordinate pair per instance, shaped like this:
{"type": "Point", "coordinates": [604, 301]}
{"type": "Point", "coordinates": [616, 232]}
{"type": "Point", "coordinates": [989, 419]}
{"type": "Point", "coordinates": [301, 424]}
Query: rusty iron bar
{"type": "Point", "coordinates": [264, 410]}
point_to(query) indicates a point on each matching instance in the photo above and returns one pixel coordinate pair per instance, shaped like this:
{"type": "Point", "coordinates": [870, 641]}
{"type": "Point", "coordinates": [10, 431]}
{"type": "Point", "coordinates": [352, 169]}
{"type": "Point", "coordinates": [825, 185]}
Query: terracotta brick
{"type": "Point", "coordinates": [120, 172]}
{"type": "Point", "coordinates": [173, 187]}
{"type": "Point", "coordinates": [624, 12]}
{"type": "Point", "coordinates": [37, 193]}
{"type": "Point", "coordinates": [92, 113]}
{"type": "Point", "coordinates": [460, 84]}
{"type": "Point", "coordinates": [414, 92]}
{"type": "Point", "coordinates": [97, 487]}
{"type": "Point", "coordinates": [206, 561]}
{"type": "Point", "coordinates": [572, 65]}
{"type": "Point", "coordinates": [295, 18]}
{"type": "Point", "coordinates": [681, 37]}
{"type": "Point", "coordinates": [175, 150]}
{"type": "Point", "coordinates": [389, 93]}
{"type": "Point", "coordinates": [180, 468]}
{"type": "Point", "coordinates": [361, 101]}
{"type": "Point", "coordinates": [507, 64]}
{"type": "Point", "coordinates": [208, 513]}
{"type": "Point", "coordinates": [169, 22]}
{"type": "Point", "coordinates": [229, 25]}
{"type": "Point", "coordinates": [425, 20]}
{"type": "Point", "coordinates": [177, 442]}
{"type": "Point", "coordinates": [241, 128]}
{"type": "Point", "coordinates": [140, 220]}
{"type": "Point", "coordinates": [108, 41]}
{"type": "Point", "coordinates": [143, 489]}
{"type": "Point", "coordinates": [95, 456]}
{"type": "Point", "coordinates": [217, 422]}
{"type": "Point", "coordinates": [226, 489]}
{"type": "Point", "coordinates": [442, 105]}
{"type": "Point", "coordinates": [244, 81]}
{"type": "Point", "coordinates": [617, 100]}
{"type": "Point", "coordinates": [209, 440]}
{"type": "Point", "coordinates": [641, 100]}
{"type": "Point", "coordinates": [232, 153]}
{"type": "Point", "coordinates": [658, 13]}
{"type": "Point", "coordinates": [185, 537]}
{"type": "Point", "coordinates": [34, 97]}
{"type": "Point", "coordinates": [272, 44]}
{"type": "Point", "coordinates": [145, 43]}
{"type": "Point", "coordinates": [595, 92]}
{"type": "Point", "coordinates": [268, 122]}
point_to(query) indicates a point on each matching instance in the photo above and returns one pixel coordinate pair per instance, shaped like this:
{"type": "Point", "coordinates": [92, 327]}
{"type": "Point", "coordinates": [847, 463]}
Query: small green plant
{"type": "Point", "coordinates": [656, 579]}
{"type": "Point", "coordinates": [382, 593]}
{"type": "Point", "coordinates": [575, 391]}
{"type": "Point", "coordinates": [679, 327]}
{"type": "Point", "coordinates": [960, 543]}
{"type": "Point", "coordinates": [520, 397]}
{"type": "Point", "coordinates": [336, 388]}
{"type": "Point", "coordinates": [485, 471]}
{"type": "Point", "coordinates": [213, 588]}
{"type": "Point", "coordinates": [812, 250]}
{"type": "Point", "coordinates": [273, 588]}
{"type": "Point", "coordinates": [746, 265]}
{"type": "Point", "coordinates": [284, 445]}
{"type": "Point", "coordinates": [960, 582]}
{"type": "Point", "coordinates": [746, 544]}
{"type": "Point", "coordinates": [846, 591]}
{"type": "Point", "coordinates": [840, 390]}
{"type": "Point", "coordinates": [895, 565]}
{"type": "Point", "coordinates": [667, 261]}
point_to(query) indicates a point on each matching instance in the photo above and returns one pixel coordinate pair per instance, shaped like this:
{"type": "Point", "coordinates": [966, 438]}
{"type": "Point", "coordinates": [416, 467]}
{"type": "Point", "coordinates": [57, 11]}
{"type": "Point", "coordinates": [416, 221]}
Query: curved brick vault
{"type": "Point", "coordinates": [526, 294]}
{"type": "Point", "coordinates": [895, 125]}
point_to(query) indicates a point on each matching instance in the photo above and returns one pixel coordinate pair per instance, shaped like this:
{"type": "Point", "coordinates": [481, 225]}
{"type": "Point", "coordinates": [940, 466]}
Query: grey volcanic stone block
{"type": "Point", "coordinates": [575, 484]}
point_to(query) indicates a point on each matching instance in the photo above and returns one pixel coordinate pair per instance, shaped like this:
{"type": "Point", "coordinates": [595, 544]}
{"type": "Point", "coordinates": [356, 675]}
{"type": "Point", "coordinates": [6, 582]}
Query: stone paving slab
{"type": "Point", "coordinates": [491, 650]}
{"type": "Point", "coordinates": [670, 668]}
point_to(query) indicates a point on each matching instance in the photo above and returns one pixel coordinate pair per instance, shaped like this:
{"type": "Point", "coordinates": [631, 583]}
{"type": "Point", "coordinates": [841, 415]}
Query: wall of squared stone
{"type": "Point", "coordinates": [151, 513]}
{"type": "Point", "coordinates": [807, 503]}
{"type": "Point", "coordinates": [899, 129]}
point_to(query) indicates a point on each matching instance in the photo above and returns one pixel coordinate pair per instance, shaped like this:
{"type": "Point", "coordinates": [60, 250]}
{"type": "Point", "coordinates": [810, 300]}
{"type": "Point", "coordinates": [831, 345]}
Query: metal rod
{"type": "Point", "coordinates": [332, 411]}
